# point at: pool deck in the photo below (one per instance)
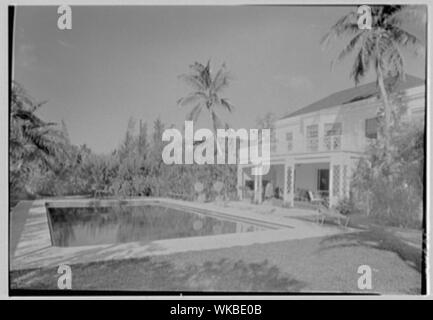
(30, 242)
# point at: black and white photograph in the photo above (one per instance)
(227, 150)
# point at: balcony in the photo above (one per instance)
(313, 144)
(332, 143)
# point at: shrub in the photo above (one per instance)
(389, 185)
(346, 206)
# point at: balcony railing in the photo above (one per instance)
(313, 144)
(316, 144)
(332, 143)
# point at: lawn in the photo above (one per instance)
(327, 264)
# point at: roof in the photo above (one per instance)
(355, 94)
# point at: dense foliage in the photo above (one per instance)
(43, 162)
(378, 47)
(390, 186)
(36, 146)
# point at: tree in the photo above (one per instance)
(127, 148)
(65, 132)
(158, 130)
(379, 47)
(142, 139)
(206, 90)
(267, 122)
(35, 145)
(393, 190)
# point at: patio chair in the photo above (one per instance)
(317, 203)
(315, 198)
(325, 211)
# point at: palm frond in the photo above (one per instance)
(354, 42)
(206, 75)
(396, 61)
(405, 39)
(198, 67)
(227, 104)
(194, 113)
(194, 81)
(345, 26)
(359, 68)
(221, 80)
(416, 13)
(192, 97)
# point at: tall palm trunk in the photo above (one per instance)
(384, 94)
(215, 128)
(386, 105)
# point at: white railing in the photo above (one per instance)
(313, 144)
(332, 143)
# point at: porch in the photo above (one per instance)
(293, 179)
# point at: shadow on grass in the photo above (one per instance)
(377, 238)
(148, 275)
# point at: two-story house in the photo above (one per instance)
(317, 148)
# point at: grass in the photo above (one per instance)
(382, 239)
(327, 264)
(162, 275)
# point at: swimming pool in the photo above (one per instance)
(48, 240)
(85, 226)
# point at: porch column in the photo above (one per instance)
(289, 183)
(260, 187)
(240, 182)
(339, 179)
(257, 184)
(345, 178)
(331, 183)
(334, 181)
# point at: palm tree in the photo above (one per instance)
(379, 47)
(31, 139)
(206, 90)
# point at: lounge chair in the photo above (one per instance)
(315, 198)
(331, 213)
(325, 211)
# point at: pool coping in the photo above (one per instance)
(34, 248)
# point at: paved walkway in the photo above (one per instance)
(269, 209)
(17, 222)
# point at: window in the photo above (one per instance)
(313, 137)
(333, 129)
(289, 140)
(332, 137)
(313, 131)
(371, 126)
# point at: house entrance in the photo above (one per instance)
(323, 181)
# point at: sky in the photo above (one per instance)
(124, 61)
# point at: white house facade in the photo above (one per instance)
(317, 148)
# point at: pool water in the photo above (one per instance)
(83, 226)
